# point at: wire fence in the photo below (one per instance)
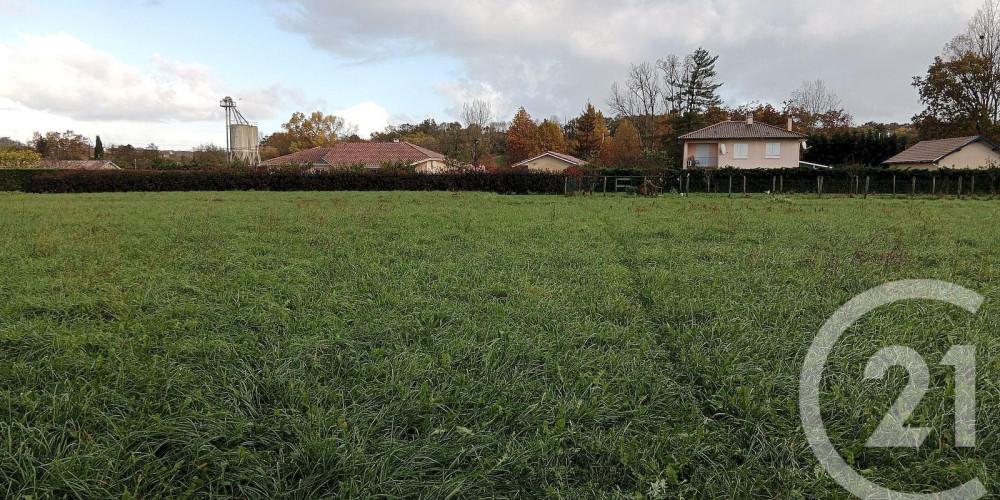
(822, 183)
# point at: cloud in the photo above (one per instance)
(464, 91)
(61, 75)
(367, 116)
(14, 7)
(552, 56)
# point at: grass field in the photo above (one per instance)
(466, 345)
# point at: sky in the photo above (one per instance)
(153, 71)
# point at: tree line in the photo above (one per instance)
(655, 103)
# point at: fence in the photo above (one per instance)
(820, 183)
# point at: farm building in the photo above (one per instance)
(743, 144)
(370, 154)
(959, 152)
(550, 161)
(81, 164)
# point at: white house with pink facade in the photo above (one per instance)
(743, 144)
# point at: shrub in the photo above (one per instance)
(510, 182)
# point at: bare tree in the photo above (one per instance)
(815, 106)
(478, 117)
(675, 76)
(639, 99)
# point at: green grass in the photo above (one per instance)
(466, 345)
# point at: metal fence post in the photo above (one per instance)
(868, 181)
(744, 186)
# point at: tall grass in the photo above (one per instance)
(438, 345)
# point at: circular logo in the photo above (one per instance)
(812, 374)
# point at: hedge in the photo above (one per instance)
(75, 181)
(799, 180)
(836, 181)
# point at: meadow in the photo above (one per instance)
(464, 345)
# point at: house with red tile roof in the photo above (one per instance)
(743, 144)
(959, 152)
(550, 161)
(370, 154)
(81, 164)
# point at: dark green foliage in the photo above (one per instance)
(853, 148)
(388, 179)
(98, 149)
(702, 89)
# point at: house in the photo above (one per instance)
(550, 161)
(959, 152)
(743, 144)
(370, 154)
(81, 164)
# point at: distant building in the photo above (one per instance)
(959, 152)
(370, 154)
(550, 161)
(81, 164)
(743, 144)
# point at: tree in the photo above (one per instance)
(98, 149)
(814, 108)
(763, 113)
(624, 150)
(639, 99)
(693, 85)
(18, 158)
(549, 137)
(591, 130)
(303, 132)
(478, 115)
(209, 155)
(961, 90)
(62, 146)
(521, 138)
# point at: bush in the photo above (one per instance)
(289, 180)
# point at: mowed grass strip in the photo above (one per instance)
(259, 345)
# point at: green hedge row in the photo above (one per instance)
(66, 181)
(837, 181)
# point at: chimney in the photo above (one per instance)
(750, 119)
(789, 123)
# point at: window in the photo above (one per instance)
(741, 151)
(773, 150)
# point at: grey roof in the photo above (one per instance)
(934, 151)
(741, 130)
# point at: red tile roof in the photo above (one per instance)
(371, 154)
(932, 151)
(741, 130)
(572, 160)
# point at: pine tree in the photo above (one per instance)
(521, 138)
(591, 130)
(98, 149)
(702, 89)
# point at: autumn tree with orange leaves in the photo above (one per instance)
(521, 138)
